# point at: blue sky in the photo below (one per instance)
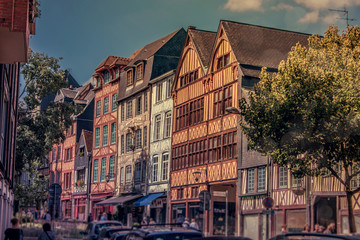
(85, 32)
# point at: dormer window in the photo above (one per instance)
(106, 77)
(139, 72)
(98, 82)
(129, 77)
(116, 73)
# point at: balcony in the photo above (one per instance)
(80, 189)
(16, 24)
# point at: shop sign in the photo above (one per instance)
(219, 194)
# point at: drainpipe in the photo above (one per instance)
(88, 185)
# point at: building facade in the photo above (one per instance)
(18, 22)
(134, 102)
(160, 145)
(104, 151)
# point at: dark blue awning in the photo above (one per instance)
(147, 199)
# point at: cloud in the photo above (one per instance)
(331, 18)
(244, 5)
(326, 4)
(282, 6)
(311, 17)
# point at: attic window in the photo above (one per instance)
(106, 77)
(98, 82)
(129, 78)
(139, 72)
(82, 150)
(223, 61)
(116, 73)
(189, 77)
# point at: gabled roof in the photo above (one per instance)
(261, 46)
(113, 60)
(88, 139)
(65, 93)
(203, 42)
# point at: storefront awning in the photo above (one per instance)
(118, 200)
(146, 200)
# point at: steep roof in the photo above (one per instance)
(261, 46)
(159, 56)
(113, 60)
(88, 139)
(203, 42)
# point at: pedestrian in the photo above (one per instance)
(47, 217)
(109, 215)
(193, 224)
(47, 234)
(186, 223)
(103, 218)
(144, 221)
(152, 221)
(90, 218)
(330, 229)
(99, 216)
(14, 233)
(317, 228)
(321, 229)
(306, 228)
(283, 229)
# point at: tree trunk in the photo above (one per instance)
(351, 218)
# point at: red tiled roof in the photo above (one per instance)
(113, 60)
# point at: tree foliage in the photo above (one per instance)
(307, 115)
(38, 131)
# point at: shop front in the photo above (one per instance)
(154, 206)
(80, 208)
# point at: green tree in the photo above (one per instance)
(307, 115)
(38, 131)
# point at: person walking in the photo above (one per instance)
(104, 216)
(186, 223)
(47, 217)
(14, 233)
(283, 229)
(330, 229)
(47, 234)
(193, 224)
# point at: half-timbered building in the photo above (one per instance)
(153, 60)
(107, 76)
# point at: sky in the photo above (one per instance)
(85, 32)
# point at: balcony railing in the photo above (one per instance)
(80, 189)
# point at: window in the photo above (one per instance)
(179, 157)
(145, 137)
(122, 175)
(194, 192)
(250, 180)
(155, 168)
(227, 97)
(261, 179)
(58, 156)
(215, 149)
(157, 127)
(282, 177)
(129, 144)
(106, 105)
(218, 109)
(138, 139)
(165, 167)
(137, 172)
(197, 153)
(168, 88)
(68, 154)
(81, 175)
(97, 137)
(122, 144)
(143, 173)
(103, 169)
(222, 100)
(113, 103)
(98, 82)
(139, 72)
(116, 73)
(122, 112)
(111, 167)
(159, 92)
(145, 102)
(105, 135)
(181, 117)
(138, 106)
(106, 77)
(167, 127)
(54, 154)
(95, 172)
(295, 182)
(113, 133)
(129, 109)
(98, 108)
(128, 175)
(196, 111)
(82, 151)
(229, 145)
(189, 77)
(223, 61)
(129, 77)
